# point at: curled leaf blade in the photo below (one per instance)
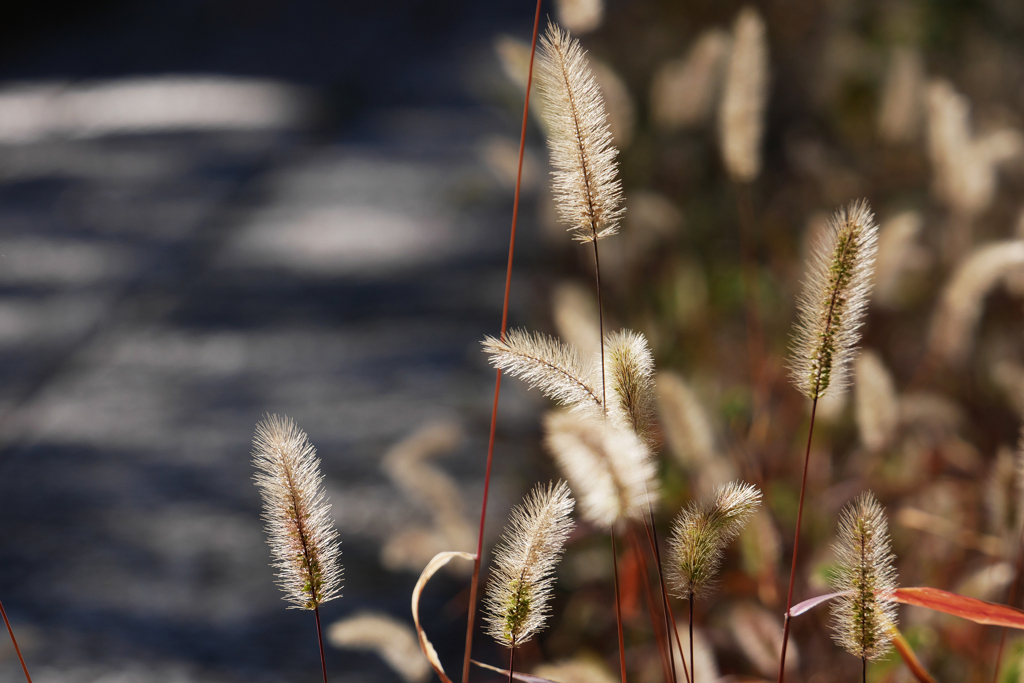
(440, 560)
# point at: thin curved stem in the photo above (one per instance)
(15, 641)
(475, 584)
(511, 659)
(796, 545)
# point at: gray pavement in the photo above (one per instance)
(159, 292)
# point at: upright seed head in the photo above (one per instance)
(586, 189)
(630, 367)
(302, 537)
(863, 615)
(524, 566)
(702, 531)
(741, 112)
(833, 302)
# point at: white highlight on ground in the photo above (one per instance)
(31, 112)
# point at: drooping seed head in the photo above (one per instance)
(702, 531)
(548, 364)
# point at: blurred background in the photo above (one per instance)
(213, 210)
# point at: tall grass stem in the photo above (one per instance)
(796, 545)
(692, 666)
(475, 584)
(670, 619)
(14, 640)
(600, 321)
(652, 538)
(659, 636)
(320, 639)
(618, 609)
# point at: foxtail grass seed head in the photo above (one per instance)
(741, 112)
(899, 117)
(586, 187)
(876, 402)
(702, 531)
(683, 91)
(962, 301)
(302, 537)
(833, 302)
(863, 615)
(524, 564)
(608, 467)
(630, 368)
(547, 364)
(580, 16)
(899, 254)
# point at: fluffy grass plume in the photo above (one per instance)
(547, 364)
(962, 301)
(702, 531)
(833, 302)
(524, 565)
(608, 467)
(302, 537)
(394, 640)
(741, 112)
(630, 381)
(683, 91)
(862, 616)
(585, 185)
(877, 405)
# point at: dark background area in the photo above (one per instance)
(139, 349)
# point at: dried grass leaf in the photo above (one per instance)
(440, 560)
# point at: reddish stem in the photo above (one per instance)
(670, 619)
(15, 641)
(693, 667)
(796, 545)
(659, 636)
(497, 381)
(618, 610)
(320, 639)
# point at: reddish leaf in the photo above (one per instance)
(972, 609)
(909, 658)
